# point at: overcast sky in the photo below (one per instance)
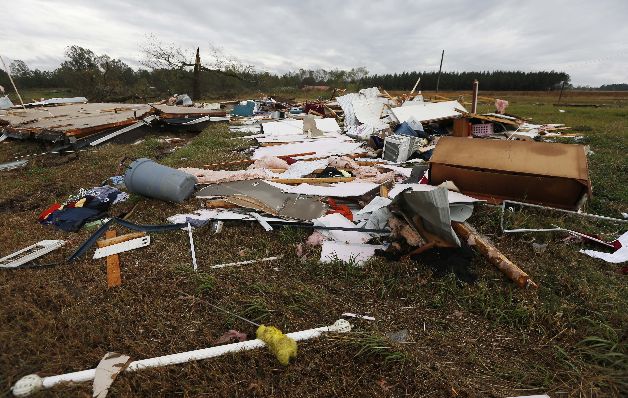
(587, 39)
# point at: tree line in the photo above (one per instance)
(494, 80)
(168, 70)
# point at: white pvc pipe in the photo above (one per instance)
(194, 265)
(35, 383)
(236, 264)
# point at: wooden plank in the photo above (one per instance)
(118, 239)
(488, 118)
(114, 277)
(312, 180)
(220, 204)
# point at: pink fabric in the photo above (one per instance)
(501, 105)
(216, 176)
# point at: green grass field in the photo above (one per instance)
(490, 339)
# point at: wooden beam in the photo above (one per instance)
(492, 254)
(219, 204)
(114, 277)
(488, 118)
(118, 239)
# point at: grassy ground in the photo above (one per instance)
(490, 339)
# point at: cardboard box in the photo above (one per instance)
(550, 174)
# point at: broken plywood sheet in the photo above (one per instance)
(58, 101)
(338, 190)
(295, 127)
(428, 111)
(295, 138)
(263, 196)
(323, 147)
(72, 120)
(184, 112)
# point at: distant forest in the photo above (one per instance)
(614, 87)
(169, 70)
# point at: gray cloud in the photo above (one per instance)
(584, 38)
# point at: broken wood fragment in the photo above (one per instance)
(492, 254)
(219, 204)
(114, 278)
(118, 239)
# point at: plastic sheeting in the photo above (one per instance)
(347, 252)
(617, 257)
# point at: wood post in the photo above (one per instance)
(492, 254)
(114, 278)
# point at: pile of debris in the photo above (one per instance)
(367, 173)
(74, 123)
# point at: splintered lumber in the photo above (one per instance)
(333, 112)
(488, 118)
(312, 180)
(219, 204)
(507, 267)
(114, 278)
(118, 239)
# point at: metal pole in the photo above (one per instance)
(440, 69)
(12, 83)
(474, 101)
